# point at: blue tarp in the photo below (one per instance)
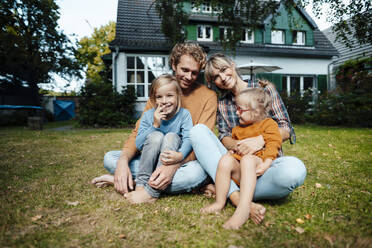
(63, 110)
(19, 107)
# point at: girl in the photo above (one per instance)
(162, 138)
(163, 130)
(252, 107)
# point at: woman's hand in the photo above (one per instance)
(261, 168)
(170, 157)
(158, 116)
(249, 145)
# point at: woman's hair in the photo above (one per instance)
(217, 61)
(187, 48)
(164, 80)
(256, 99)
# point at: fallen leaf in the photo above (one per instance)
(75, 203)
(166, 209)
(329, 239)
(318, 185)
(92, 223)
(299, 230)
(324, 154)
(308, 216)
(122, 236)
(110, 240)
(267, 223)
(300, 221)
(116, 209)
(36, 217)
(330, 145)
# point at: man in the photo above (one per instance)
(186, 61)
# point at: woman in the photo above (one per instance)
(283, 176)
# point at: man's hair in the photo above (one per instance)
(161, 81)
(187, 48)
(256, 99)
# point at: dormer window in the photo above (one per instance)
(205, 33)
(277, 37)
(203, 8)
(299, 38)
(248, 36)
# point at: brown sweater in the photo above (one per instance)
(201, 102)
(269, 129)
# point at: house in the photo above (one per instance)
(140, 50)
(356, 51)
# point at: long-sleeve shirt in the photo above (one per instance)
(180, 124)
(227, 118)
(201, 102)
(269, 130)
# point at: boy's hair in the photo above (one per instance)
(258, 100)
(164, 80)
(187, 48)
(217, 61)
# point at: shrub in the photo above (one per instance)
(298, 106)
(101, 106)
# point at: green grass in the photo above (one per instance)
(43, 172)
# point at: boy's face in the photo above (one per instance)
(186, 72)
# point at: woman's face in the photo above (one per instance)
(225, 77)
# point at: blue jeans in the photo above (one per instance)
(284, 175)
(188, 177)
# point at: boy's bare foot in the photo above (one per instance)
(103, 180)
(212, 208)
(238, 219)
(140, 195)
(258, 211)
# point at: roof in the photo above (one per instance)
(138, 29)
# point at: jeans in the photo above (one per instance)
(188, 177)
(155, 143)
(284, 175)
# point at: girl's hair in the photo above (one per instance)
(187, 48)
(164, 80)
(256, 99)
(217, 61)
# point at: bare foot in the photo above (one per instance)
(212, 208)
(103, 180)
(258, 211)
(239, 217)
(140, 195)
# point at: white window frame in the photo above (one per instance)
(274, 36)
(146, 70)
(246, 40)
(224, 31)
(204, 33)
(299, 38)
(302, 77)
(205, 8)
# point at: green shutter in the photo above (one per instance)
(216, 33)
(191, 32)
(322, 83)
(258, 36)
(275, 78)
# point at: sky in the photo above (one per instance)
(78, 18)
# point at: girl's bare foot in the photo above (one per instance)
(238, 219)
(140, 195)
(103, 180)
(258, 211)
(212, 208)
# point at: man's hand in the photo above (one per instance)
(123, 181)
(250, 145)
(262, 167)
(163, 176)
(169, 157)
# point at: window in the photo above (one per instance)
(205, 33)
(224, 33)
(142, 70)
(248, 36)
(298, 38)
(297, 84)
(203, 8)
(277, 37)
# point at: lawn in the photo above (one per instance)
(47, 199)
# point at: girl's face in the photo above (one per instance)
(166, 97)
(246, 114)
(225, 78)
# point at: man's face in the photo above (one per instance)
(186, 71)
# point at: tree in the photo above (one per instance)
(251, 13)
(91, 49)
(31, 46)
